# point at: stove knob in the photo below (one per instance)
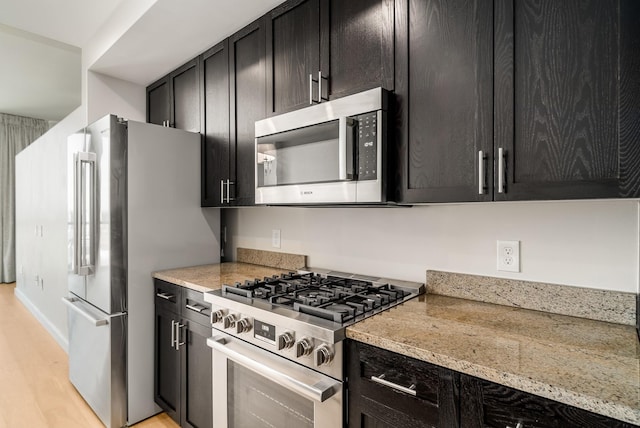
(324, 355)
(229, 321)
(303, 347)
(285, 341)
(243, 325)
(217, 316)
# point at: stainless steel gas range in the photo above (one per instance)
(278, 358)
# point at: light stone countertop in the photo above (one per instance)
(588, 364)
(211, 277)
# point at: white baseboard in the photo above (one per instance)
(61, 339)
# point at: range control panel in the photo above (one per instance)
(367, 146)
(286, 342)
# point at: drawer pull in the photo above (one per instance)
(382, 381)
(165, 296)
(196, 308)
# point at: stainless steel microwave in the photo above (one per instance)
(330, 153)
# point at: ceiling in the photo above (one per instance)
(41, 41)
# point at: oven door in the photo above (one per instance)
(254, 388)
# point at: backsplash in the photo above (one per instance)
(271, 259)
(602, 305)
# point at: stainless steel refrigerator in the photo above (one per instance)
(133, 207)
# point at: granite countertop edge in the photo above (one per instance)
(503, 377)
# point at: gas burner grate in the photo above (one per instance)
(333, 298)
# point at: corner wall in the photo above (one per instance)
(592, 244)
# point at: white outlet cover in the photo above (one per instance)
(508, 256)
(275, 238)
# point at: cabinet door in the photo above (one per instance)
(158, 102)
(444, 92)
(215, 149)
(357, 47)
(196, 383)
(486, 404)
(292, 54)
(567, 98)
(185, 104)
(248, 87)
(373, 404)
(167, 364)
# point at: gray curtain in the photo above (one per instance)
(16, 133)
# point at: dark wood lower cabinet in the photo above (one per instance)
(446, 399)
(183, 382)
(486, 404)
(373, 404)
(167, 364)
(196, 388)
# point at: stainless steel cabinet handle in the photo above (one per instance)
(222, 191)
(196, 308)
(500, 170)
(482, 180)
(178, 343)
(411, 390)
(310, 88)
(70, 302)
(173, 334)
(319, 86)
(229, 183)
(165, 296)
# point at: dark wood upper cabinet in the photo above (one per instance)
(567, 96)
(174, 100)
(216, 136)
(159, 102)
(444, 99)
(186, 97)
(247, 105)
(292, 54)
(530, 99)
(360, 50)
(350, 43)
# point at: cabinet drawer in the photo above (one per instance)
(489, 405)
(168, 295)
(398, 390)
(194, 308)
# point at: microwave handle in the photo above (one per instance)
(345, 148)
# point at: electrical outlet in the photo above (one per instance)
(275, 238)
(509, 256)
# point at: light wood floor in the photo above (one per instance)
(35, 391)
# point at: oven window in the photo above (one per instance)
(254, 401)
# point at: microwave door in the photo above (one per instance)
(316, 154)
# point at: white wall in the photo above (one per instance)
(108, 95)
(591, 244)
(45, 256)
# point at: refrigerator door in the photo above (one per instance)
(97, 347)
(101, 207)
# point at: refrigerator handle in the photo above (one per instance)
(97, 322)
(85, 245)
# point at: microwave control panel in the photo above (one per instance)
(367, 146)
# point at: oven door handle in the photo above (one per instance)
(254, 359)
